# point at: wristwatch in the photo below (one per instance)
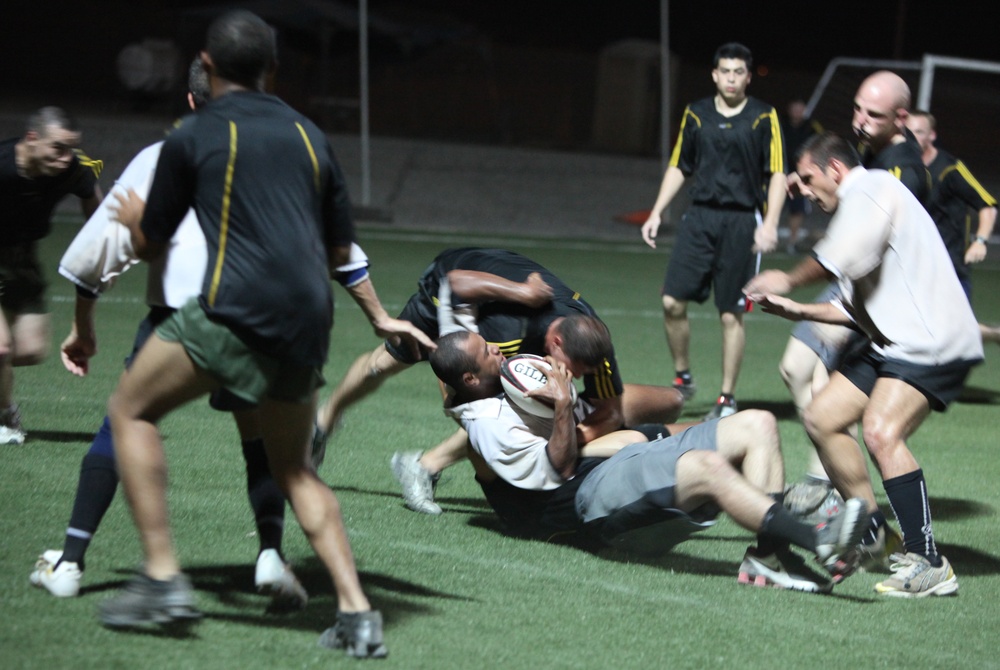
(980, 238)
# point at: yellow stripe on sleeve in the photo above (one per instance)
(312, 155)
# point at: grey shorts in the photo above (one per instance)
(639, 481)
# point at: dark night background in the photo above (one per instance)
(513, 72)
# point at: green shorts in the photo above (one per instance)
(244, 372)
(22, 284)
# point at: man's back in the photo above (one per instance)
(268, 195)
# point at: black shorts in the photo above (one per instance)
(798, 205)
(421, 311)
(22, 284)
(713, 251)
(940, 384)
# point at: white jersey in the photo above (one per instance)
(102, 250)
(895, 275)
(513, 444)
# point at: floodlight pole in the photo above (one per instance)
(366, 177)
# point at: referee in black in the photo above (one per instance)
(732, 147)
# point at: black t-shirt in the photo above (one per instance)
(269, 196)
(26, 204)
(517, 329)
(955, 196)
(904, 161)
(729, 158)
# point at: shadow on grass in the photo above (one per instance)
(60, 436)
(957, 508)
(969, 561)
(783, 411)
(232, 588)
(972, 395)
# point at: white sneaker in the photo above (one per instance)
(62, 581)
(10, 435)
(417, 482)
(275, 577)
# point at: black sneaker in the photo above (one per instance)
(148, 600)
(357, 633)
(686, 386)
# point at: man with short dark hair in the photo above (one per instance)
(921, 343)
(732, 148)
(36, 172)
(272, 203)
(542, 482)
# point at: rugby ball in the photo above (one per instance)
(524, 373)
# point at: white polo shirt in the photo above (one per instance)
(896, 278)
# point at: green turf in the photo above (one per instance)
(455, 593)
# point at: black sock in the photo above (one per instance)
(685, 375)
(94, 492)
(911, 505)
(266, 498)
(876, 520)
(768, 544)
(781, 527)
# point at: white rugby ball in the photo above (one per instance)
(523, 373)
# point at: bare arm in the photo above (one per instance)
(976, 252)
(81, 343)
(385, 326)
(608, 416)
(562, 446)
(477, 287)
(766, 236)
(779, 283)
(673, 179)
(823, 312)
(129, 214)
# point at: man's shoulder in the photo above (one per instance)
(757, 106)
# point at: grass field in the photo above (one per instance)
(456, 593)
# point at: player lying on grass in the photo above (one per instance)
(519, 305)
(542, 481)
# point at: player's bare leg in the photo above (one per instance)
(733, 346)
(364, 377)
(646, 403)
(286, 429)
(678, 330)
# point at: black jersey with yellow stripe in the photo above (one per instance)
(730, 158)
(26, 204)
(956, 195)
(517, 329)
(903, 161)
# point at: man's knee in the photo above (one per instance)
(881, 436)
(673, 308)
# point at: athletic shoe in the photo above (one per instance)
(723, 407)
(838, 537)
(60, 579)
(914, 577)
(319, 440)
(10, 435)
(783, 569)
(147, 600)
(812, 500)
(357, 633)
(417, 482)
(687, 388)
(877, 556)
(274, 577)
(11, 417)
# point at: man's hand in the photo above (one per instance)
(780, 306)
(976, 253)
(767, 282)
(76, 352)
(399, 330)
(765, 239)
(650, 228)
(556, 391)
(538, 293)
(129, 210)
